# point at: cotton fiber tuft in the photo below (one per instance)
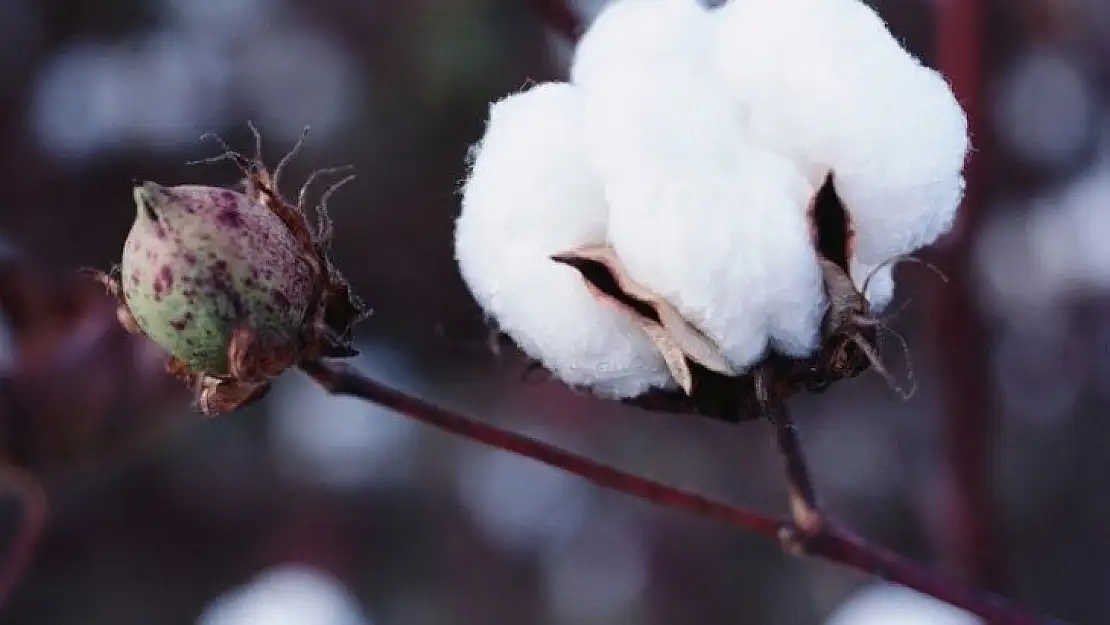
(530, 195)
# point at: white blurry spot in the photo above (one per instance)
(600, 575)
(160, 90)
(519, 503)
(79, 101)
(287, 595)
(864, 456)
(218, 19)
(1015, 282)
(1045, 107)
(341, 442)
(1038, 372)
(293, 79)
(888, 604)
(1055, 249)
(177, 88)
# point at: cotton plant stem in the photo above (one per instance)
(34, 506)
(822, 539)
(966, 532)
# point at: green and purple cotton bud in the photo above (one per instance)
(201, 261)
(235, 285)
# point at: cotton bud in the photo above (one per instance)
(200, 261)
(234, 285)
(826, 83)
(530, 195)
(711, 224)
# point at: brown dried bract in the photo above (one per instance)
(709, 386)
(682, 345)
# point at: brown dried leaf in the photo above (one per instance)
(675, 337)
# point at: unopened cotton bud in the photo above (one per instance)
(531, 195)
(826, 83)
(201, 261)
(710, 224)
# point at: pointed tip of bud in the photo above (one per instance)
(146, 194)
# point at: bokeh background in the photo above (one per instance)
(319, 511)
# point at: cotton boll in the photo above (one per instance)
(826, 83)
(530, 195)
(708, 223)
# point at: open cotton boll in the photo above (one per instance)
(530, 195)
(826, 83)
(711, 225)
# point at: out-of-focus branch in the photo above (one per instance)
(65, 337)
(33, 499)
(561, 17)
(958, 330)
(821, 539)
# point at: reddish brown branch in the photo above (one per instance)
(822, 540)
(966, 531)
(28, 490)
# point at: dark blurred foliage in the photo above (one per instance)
(160, 517)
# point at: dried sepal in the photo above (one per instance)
(678, 341)
(215, 397)
(735, 399)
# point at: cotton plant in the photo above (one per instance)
(653, 218)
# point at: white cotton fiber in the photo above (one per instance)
(825, 82)
(529, 195)
(712, 225)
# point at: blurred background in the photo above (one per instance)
(319, 511)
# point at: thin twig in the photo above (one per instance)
(803, 500)
(30, 493)
(825, 541)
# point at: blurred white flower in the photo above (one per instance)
(220, 19)
(291, 594)
(889, 604)
(1055, 248)
(294, 78)
(160, 90)
(346, 443)
(520, 504)
(1045, 107)
(599, 575)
